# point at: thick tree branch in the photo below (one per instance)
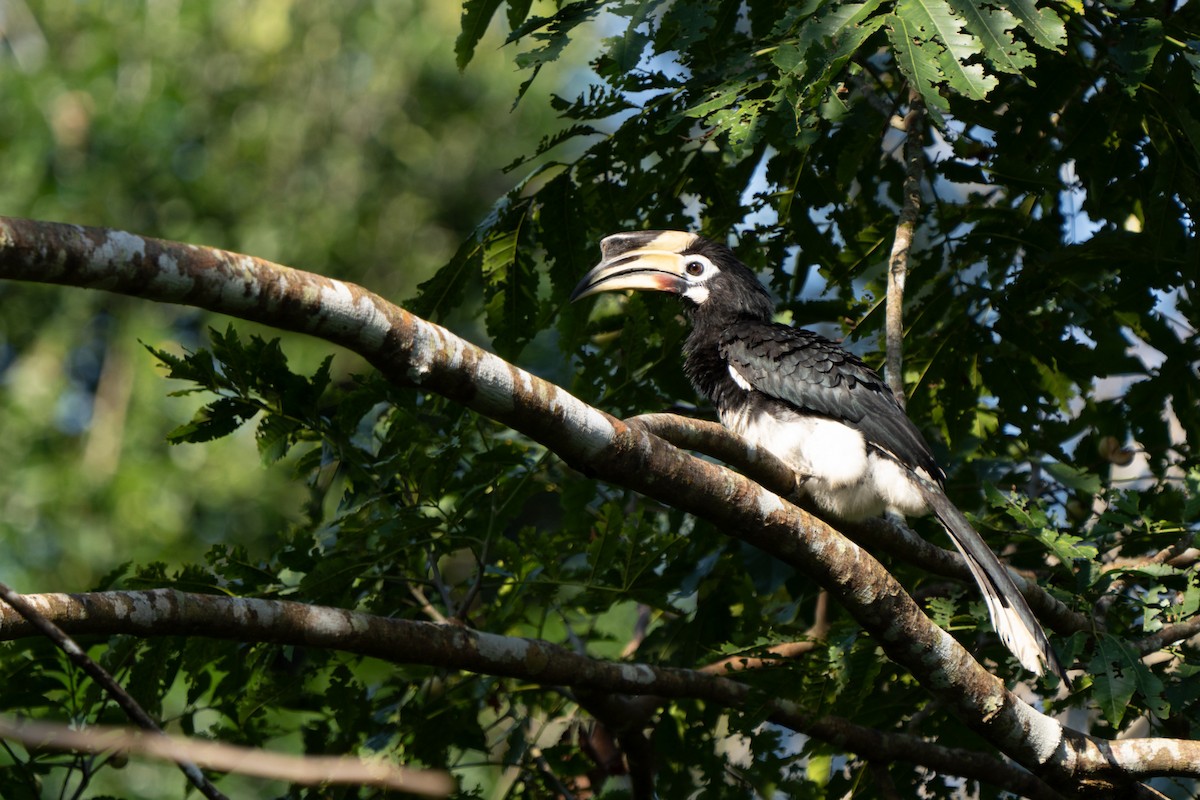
(411, 351)
(165, 612)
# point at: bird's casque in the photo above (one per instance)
(810, 403)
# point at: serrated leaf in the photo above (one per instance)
(937, 23)
(1189, 604)
(274, 437)
(1114, 681)
(476, 16)
(198, 367)
(918, 60)
(741, 123)
(941, 610)
(1066, 547)
(1135, 52)
(823, 47)
(1119, 673)
(518, 11)
(626, 50)
(510, 291)
(1042, 24)
(721, 99)
(994, 28)
(219, 418)
(553, 40)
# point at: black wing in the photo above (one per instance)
(815, 375)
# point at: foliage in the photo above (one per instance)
(1050, 340)
(295, 131)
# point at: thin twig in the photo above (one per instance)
(780, 652)
(914, 158)
(426, 607)
(307, 770)
(100, 675)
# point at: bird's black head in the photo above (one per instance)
(707, 275)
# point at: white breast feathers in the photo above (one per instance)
(841, 475)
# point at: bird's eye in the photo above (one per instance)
(694, 268)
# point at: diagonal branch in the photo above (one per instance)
(410, 351)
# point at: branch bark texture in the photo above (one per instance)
(906, 224)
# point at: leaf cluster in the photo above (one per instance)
(1050, 325)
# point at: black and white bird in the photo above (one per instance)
(817, 407)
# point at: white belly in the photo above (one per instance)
(840, 474)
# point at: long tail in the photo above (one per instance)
(1011, 616)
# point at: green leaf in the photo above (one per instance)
(510, 289)
(918, 60)
(941, 610)
(821, 51)
(476, 16)
(199, 368)
(742, 123)
(1042, 24)
(1135, 51)
(993, 27)
(274, 437)
(1119, 673)
(935, 22)
(219, 418)
(518, 10)
(553, 41)
(819, 768)
(626, 50)
(1114, 679)
(1073, 478)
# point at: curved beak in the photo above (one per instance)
(638, 260)
(639, 269)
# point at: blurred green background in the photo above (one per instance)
(336, 138)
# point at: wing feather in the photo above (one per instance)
(817, 376)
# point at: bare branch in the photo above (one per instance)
(1168, 635)
(779, 652)
(307, 770)
(100, 675)
(914, 162)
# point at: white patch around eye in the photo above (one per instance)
(697, 294)
(738, 379)
(698, 267)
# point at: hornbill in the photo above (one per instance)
(817, 407)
